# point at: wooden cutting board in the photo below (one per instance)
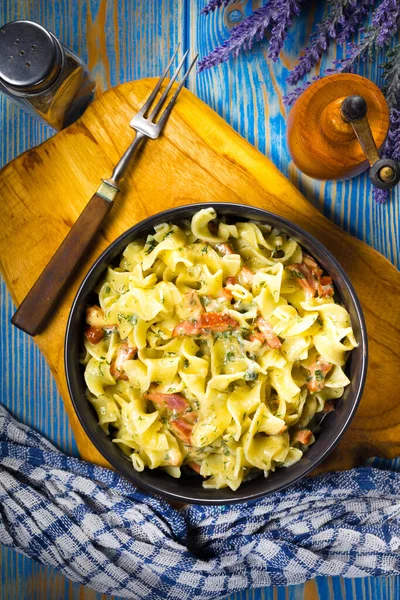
(199, 158)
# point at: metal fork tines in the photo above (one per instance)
(147, 126)
(34, 311)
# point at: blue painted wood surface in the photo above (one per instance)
(126, 39)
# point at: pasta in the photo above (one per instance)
(212, 347)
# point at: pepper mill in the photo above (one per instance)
(336, 128)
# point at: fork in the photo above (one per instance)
(37, 306)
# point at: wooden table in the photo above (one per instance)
(122, 40)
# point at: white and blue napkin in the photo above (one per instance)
(100, 531)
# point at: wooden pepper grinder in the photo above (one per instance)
(336, 127)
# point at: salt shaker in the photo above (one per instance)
(42, 75)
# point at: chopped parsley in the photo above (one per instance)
(204, 250)
(132, 319)
(151, 243)
(230, 356)
(250, 376)
(296, 274)
(319, 376)
(223, 335)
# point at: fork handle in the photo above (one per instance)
(40, 301)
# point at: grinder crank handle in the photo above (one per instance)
(384, 172)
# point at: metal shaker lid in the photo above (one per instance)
(30, 56)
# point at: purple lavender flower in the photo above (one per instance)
(252, 29)
(386, 20)
(213, 5)
(288, 10)
(319, 42)
(292, 96)
(391, 150)
(350, 25)
(380, 196)
(342, 20)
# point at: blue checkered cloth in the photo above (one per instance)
(102, 532)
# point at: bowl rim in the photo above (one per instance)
(172, 214)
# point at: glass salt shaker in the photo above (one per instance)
(42, 75)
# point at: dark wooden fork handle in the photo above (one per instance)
(42, 298)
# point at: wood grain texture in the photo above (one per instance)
(126, 39)
(198, 158)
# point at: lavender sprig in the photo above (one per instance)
(292, 96)
(351, 24)
(386, 19)
(391, 150)
(252, 29)
(391, 76)
(391, 89)
(352, 17)
(213, 5)
(341, 12)
(288, 10)
(376, 35)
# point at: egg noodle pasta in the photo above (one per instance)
(212, 347)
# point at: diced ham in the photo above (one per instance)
(226, 294)
(312, 265)
(305, 278)
(182, 429)
(268, 333)
(171, 401)
(309, 275)
(284, 428)
(94, 334)
(125, 352)
(183, 425)
(193, 465)
(230, 281)
(95, 316)
(224, 249)
(257, 336)
(217, 322)
(304, 436)
(206, 323)
(325, 287)
(246, 276)
(318, 371)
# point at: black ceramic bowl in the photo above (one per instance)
(188, 488)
